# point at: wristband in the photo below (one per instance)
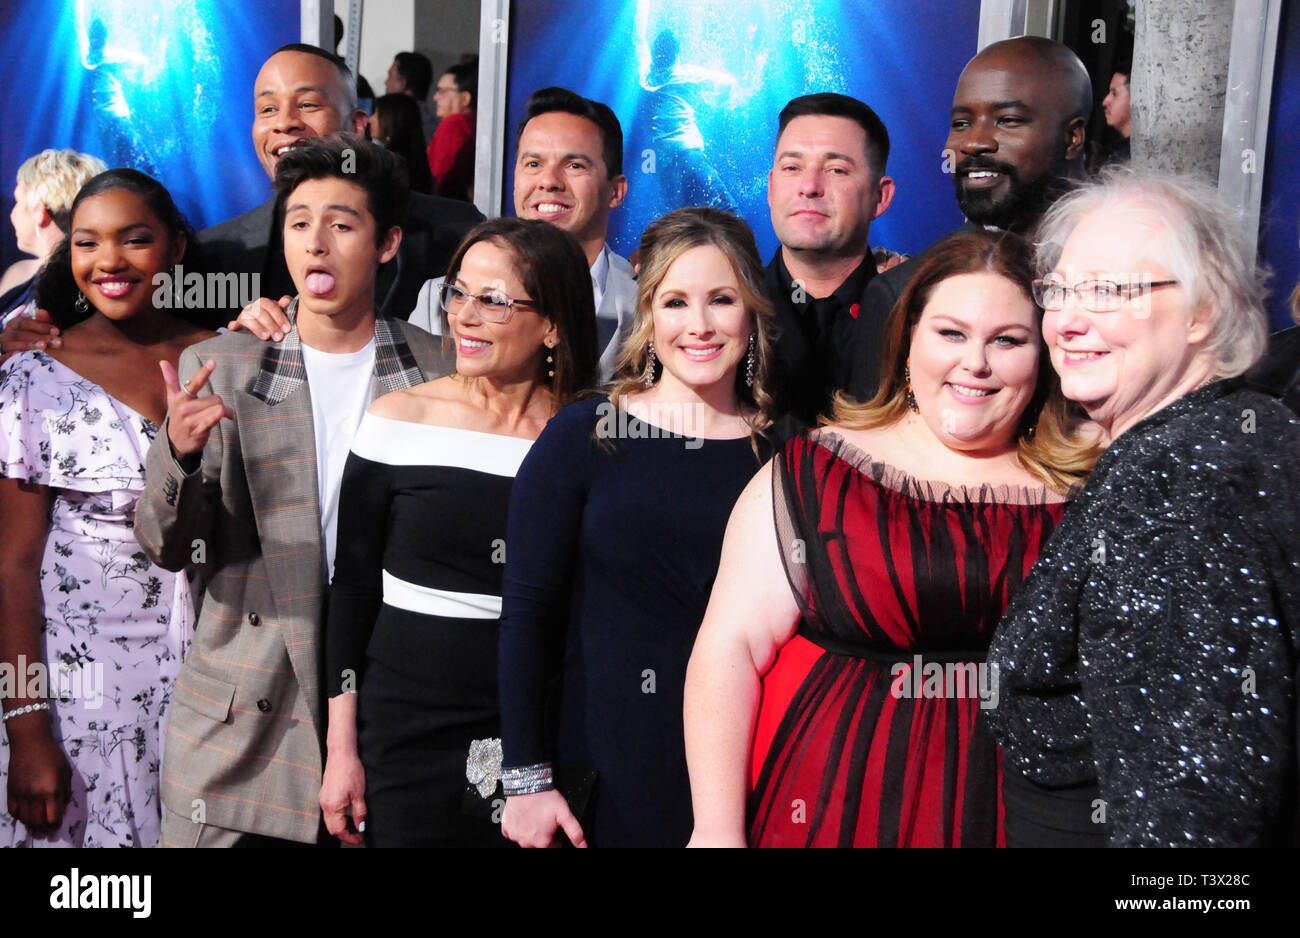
(527, 779)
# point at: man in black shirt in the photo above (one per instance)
(1016, 138)
(825, 186)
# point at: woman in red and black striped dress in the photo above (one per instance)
(838, 679)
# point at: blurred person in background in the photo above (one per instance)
(47, 184)
(395, 124)
(451, 151)
(411, 74)
(1118, 117)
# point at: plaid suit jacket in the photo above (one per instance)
(243, 747)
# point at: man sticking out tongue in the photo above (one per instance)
(250, 501)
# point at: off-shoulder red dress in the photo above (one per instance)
(858, 742)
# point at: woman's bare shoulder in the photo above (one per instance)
(439, 402)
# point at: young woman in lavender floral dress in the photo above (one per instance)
(91, 634)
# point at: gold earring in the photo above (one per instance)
(907, 376)
(550, 360)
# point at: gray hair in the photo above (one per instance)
(1207, 252)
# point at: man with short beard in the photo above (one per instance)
(1015, 140)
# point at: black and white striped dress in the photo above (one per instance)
(413, 618)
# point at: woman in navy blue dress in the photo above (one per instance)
(615, 529)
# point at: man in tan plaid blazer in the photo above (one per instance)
(232, 493)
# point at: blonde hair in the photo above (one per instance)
(667, 239)
(53, 178)
(1047, 445)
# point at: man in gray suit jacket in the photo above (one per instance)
(569, 173)
(242, 488)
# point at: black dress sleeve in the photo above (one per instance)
(1188, 678)
(357, 589)
(547, 503)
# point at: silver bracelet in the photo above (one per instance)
(30, 708)
(527, 779)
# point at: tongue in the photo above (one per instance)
(319, 282)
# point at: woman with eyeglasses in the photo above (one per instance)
(1148, 663)
(413, 746)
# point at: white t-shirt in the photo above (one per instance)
(340, 386)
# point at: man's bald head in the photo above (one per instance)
(1019, 116)
(1045, 56)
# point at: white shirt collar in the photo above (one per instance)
(599, 275)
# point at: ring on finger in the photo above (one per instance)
(188, 392)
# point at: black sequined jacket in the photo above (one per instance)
(1154, 646)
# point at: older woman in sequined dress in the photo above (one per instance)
(1147, 665)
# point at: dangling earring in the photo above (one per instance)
(1032, 430)
(907, 376)
(749, 363)
(81, 305)
(649, 378)
(180, 289)
(550, 361)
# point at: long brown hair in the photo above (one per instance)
(1048, 446)
(554, 271)
(662, 243)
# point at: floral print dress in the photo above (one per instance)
(116, 627)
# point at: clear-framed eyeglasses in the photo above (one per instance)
(1099, 296)
(492, 307)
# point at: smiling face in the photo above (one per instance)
(509, 350)
(821, 190)
(701, 325)
(118, 245)
(329, 246)
(1116, 103)
(1121, 365)
(1011, 139)
(298, 96)
(560, 178)
(974, 360)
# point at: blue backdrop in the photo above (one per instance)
(1280, 208)
(900, 56)
(161, 85)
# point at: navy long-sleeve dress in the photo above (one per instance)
(615, 548)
